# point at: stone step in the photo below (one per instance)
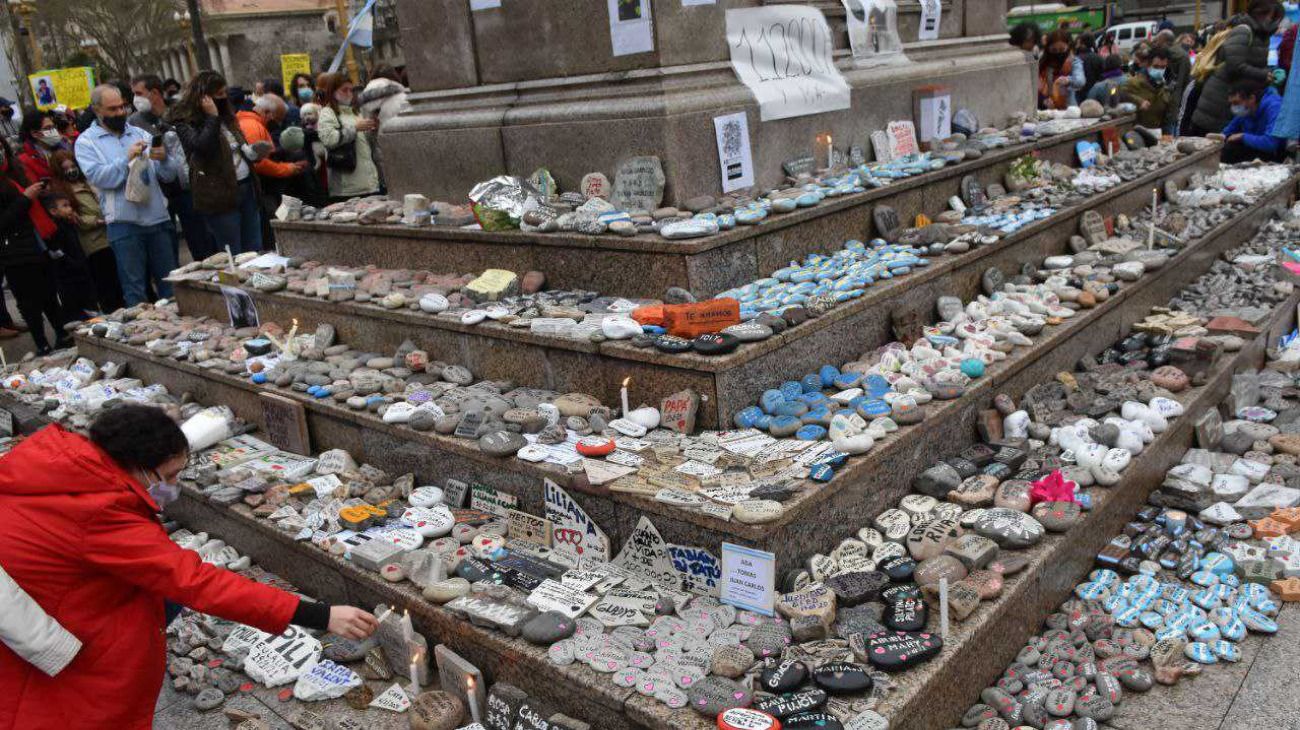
(929, 696)
(727, 383)
(816, 519)
(646, 265)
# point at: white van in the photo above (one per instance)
(1128, 35)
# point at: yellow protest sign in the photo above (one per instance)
(292, 64)
(67, 86)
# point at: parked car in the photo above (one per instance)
(1128, 35)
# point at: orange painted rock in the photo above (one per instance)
(693, 320)
(1288, 589)
(1268, 527)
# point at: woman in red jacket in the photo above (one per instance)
(79, 532)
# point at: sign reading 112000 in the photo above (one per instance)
(783, 54)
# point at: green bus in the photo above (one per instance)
(1050, 16)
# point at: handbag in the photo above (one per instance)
(342, 158)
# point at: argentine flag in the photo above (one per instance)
(361, 33)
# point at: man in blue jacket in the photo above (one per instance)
(1249, 135)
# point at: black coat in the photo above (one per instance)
(213, 179)
(1243, 57)
(19, 245)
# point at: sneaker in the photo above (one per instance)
(43, 351)
(64, 342)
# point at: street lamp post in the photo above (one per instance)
(25, 9)
(184, 21)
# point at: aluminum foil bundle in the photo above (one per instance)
(500, 203)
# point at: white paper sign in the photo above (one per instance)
(484, 4)
(931, 12)
(936, 116)
(783, 54)
(748, 578)
(630, 28)
(873, 32)
(735, 160)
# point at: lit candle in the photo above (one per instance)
(623, 392)
(408, 631)
(943, 608)
(473, 699)
(415, 673)
(824, 150)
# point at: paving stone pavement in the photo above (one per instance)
(176, 711)
(1261, 692)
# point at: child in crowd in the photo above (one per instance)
(71, 273)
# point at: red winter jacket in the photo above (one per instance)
(80, 535)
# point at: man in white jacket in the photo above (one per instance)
(30, 633)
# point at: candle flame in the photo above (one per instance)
(470, 681)
(627, 380)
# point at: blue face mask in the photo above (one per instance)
(1157, 74)
(163, 492)
(1240, 110)
(305, 94)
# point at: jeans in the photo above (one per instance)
(143, 253)
(241, 228)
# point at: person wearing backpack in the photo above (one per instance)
(1241, 55)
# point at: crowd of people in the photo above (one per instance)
(1216, 81)
(95, 203)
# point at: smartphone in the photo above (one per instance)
(157, 140)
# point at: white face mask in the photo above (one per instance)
(50, 137)
(142, 104)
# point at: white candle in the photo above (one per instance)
(943, 608)
(232, 258)
(415, 675)
(408, 631)
(623, 392)
(473, 699)
(1151, 230)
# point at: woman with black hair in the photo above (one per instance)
(40, 137)
(23, 257)
(221, 174)
(79, 532)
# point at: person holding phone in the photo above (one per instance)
(350, 161)
(220, 163)
(26, 261)
(139, 232)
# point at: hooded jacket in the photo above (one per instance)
(1256, 129)
(1243, 57)
(81, 536)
